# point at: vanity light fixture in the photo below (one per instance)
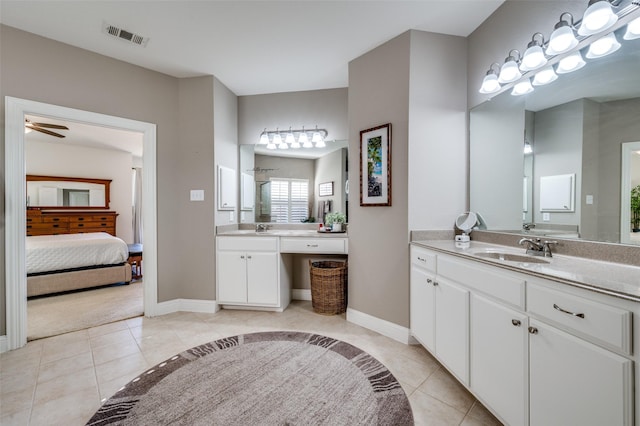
(533, 57)
(275, 139)
(570, 63)
(597, 18)
(522, 88)
(509, 71)
(490, 82)
(603, 46)
(544, 76)
(562, 38)
(633, 30)
(527, 147)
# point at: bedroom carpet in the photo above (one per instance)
(270, 378)
(54, 315)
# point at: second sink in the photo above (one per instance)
(511, 257)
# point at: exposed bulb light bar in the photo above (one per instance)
(533, 57)
(633, 30)
(275, 139)
(509, 71)
(570, 63)
(562, 38)
(603, 47)
(597, 18)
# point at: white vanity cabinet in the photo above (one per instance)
(249, 272)
(439, 314)
(540, 352)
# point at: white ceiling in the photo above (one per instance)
(252, 47)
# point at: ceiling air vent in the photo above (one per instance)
(125, 35)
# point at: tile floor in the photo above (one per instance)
(62, 380)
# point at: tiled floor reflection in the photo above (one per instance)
(62, 380)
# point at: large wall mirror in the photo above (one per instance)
(67, 193)
(583, 131)
(284, 187)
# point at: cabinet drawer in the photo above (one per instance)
(313, 245)
(93, 225)
(423, 258)
(502, 286)
(248, 243)
(602, 323)
(91, 218)
(55, 219)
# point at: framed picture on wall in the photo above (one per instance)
(375, 166)
(325, 189)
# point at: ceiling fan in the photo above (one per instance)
(42, 128)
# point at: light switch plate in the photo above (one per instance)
(230, 216)
(197, 195)
(546, 217)
(589, 199)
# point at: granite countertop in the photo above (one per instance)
(283, 233)
(603, 277)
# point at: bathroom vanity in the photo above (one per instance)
(254, 269)
(540, 341)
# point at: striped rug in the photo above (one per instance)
(270, 378)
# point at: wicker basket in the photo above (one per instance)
(328, 287)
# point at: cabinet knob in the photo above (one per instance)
(241, 257)
(248, 257)
(533, 330)
(516, 322)
(435, 283)
(429, 281)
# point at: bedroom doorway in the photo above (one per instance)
(15, 212)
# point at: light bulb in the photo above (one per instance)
(603, 47)
(303, 138)
(509, 71)
(598, 17)
(527, 148)
(271, 145)
(320, 143)
(316, 137)
(289, 138)
(633, 30)
(522, 88)
(570, 63)
(295, 144)
(562, 39)
(264, 138)
(490, 83)
(533, 58)
(283, 145)
(544, 76)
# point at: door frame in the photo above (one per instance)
(627, 149)
(15, 202)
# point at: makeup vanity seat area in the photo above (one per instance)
(254, 272)
(534, 351)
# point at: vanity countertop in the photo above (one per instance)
(305, 233)
(604, 277)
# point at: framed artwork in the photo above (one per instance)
(375, 166)
(325, 189)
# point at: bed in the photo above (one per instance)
(57, 263)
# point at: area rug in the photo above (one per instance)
(269, 378)
(53, 315)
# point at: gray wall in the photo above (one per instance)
(326, 109)
(39, 69)
(331, 168)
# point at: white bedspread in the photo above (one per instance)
(57, 252)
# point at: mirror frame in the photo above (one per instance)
(105, 182)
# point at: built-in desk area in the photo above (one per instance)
(255, 268)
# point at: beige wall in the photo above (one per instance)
(225, 119)
(51, 159)
(331, 168)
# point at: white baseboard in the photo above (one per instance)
(384, 327)
(186, 305)
(301, 294)
(4, 345)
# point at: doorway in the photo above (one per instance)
(15, 213)
(630, 179)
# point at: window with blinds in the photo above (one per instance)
(289, 200)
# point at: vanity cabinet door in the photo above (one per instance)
(574, 382)
(422, 309)
(262, 278)
(232, 277)
(452, 327)
(499, 358)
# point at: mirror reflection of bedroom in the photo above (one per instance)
(84, 225)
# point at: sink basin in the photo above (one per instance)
(511, 257)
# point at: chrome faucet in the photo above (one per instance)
(528, 226)
(537, 247)
(261, 227)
